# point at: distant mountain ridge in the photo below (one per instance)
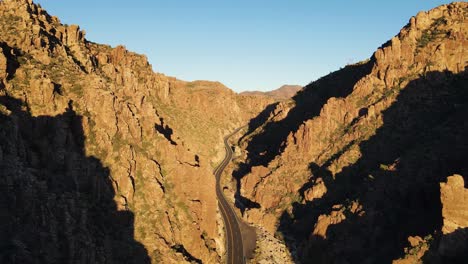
(282, 93)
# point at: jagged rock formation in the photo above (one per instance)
(454, 198)
(349, 169)
(283, 93)
(102, 159)
(451, 245)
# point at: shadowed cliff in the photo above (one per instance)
(57, 204)
(349, 170)
(459, 253)
(392, 191)
(268, 143)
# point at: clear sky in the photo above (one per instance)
(245, 44)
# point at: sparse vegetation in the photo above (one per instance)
(363, 101)
(77, 89)
(184, 207)
(384, 167)
(118, 142)
(429, 35)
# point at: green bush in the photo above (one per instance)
(431, 35)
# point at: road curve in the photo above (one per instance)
(234, 247)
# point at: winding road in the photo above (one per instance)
(234, 248)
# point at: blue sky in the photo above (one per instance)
(245, 44)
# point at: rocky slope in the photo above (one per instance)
(283, 93)
(349, 169)
(103, 160)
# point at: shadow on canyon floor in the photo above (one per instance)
(396, 180)
(449, 248)
(57, 203)
(266, 145)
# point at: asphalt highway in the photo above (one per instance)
(234, 247)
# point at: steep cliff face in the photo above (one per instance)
(350, 168)
(102, 159)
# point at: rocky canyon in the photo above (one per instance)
(104, 160)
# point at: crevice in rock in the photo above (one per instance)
(195, 164)
(115, 112)
(132, 180)
(160, 182)
(187, 256)
(161, 185)
(133, 167)
(133, 112)
(159, 167)
(163, 239)
(165, 130)
(188, 163)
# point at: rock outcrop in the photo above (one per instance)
(454, 198)
(451, 244)
(104, 160)
(349, 168)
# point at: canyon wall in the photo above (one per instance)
(349, 168)
(102, 159)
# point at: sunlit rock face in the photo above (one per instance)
(104, 160)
